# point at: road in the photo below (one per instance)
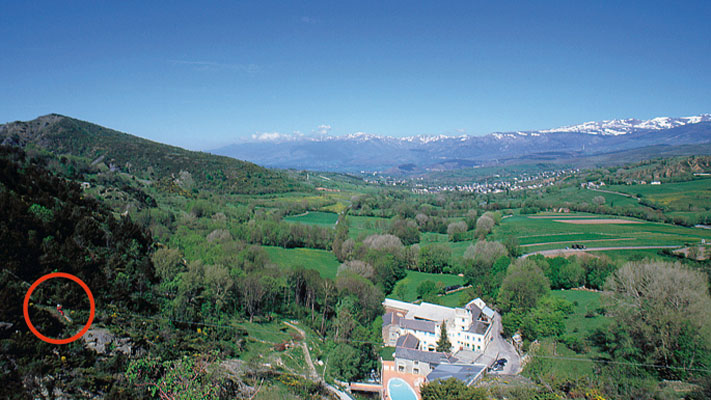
(501, 348)
(572, 251)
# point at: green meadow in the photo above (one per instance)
(364, 226)
(413, 280)
(314, 218)
(680, 196)
(320, 260)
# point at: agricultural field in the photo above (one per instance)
(578, 195)
(413, 280)
(320, 260)
(679, 196)
(314, 218)
(547, 232)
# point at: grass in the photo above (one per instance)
(585, 318)
(387, 353)
(414, 278)
(457, 299)
(677, 196)
(314, 218)
(361, 225)
(544, 233)
(584, 321)
(322, 261)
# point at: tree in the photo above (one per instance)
(524, 284)
(443, 344)
(428, 291)
(345, 360)
(251, 293)
(598, 200)
(456, 231)
(483, 226)
(168, 262)
(484, 253)
(661, 310)
(435, 257)
(406, 230)
(451, 389)
(357, 267)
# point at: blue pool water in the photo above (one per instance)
(400, 390)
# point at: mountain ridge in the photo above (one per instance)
(366, 152)
(141, 157)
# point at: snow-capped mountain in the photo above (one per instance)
(630, 125)
(364, 151)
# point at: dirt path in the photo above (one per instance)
(574, 252)
(613, 192)
(575, 241)
(312, 370)
(307, 353)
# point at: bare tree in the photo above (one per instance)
(251, 292)
(664, 307)
(483, 226)
(357, 267)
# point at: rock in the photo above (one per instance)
(102, 341)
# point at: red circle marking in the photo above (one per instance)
(27, 303)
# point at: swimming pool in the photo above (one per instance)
(398, 389)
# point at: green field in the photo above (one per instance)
(314, 218)
(360, 225)
(320, 260)
(680, 196)
(547, 233)
(585, 318)
(414, 278)
(584, 321)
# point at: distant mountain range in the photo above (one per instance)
(416, 154)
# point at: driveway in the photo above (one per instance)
(500, 348)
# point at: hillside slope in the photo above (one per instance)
(143, 158)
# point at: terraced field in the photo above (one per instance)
(320, 260)
(542, 232)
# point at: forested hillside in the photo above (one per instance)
(170, 166)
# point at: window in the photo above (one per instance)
(417, 363)
(401, 368)
(415, 371)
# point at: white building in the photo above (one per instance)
(468, 328)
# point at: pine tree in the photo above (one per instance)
(443, 344)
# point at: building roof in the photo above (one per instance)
(488, 312)
(418, 325)
(476, 311)
(409, 341)
(478, 327)
(466, 373)
(390, 318)
(431, 312)
(430, 357)
(399, 305)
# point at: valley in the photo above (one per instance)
(244, 286)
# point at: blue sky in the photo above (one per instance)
(204, 74)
